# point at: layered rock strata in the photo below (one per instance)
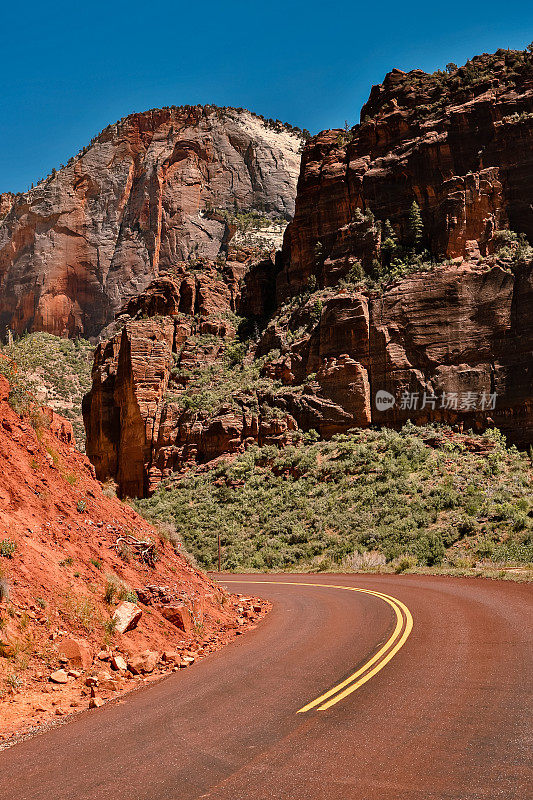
(460, 145)
(336, 334)
(151, 191)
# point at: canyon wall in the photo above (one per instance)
(460, 145)
(333, 333)
(153, 190)
(454, 347)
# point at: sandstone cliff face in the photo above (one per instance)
(153, 190)
(460, 145)
(138, 416)
(452, 346)
(323, 347)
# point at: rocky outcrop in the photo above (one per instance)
(465, 334)
(150, 192)
(138, 428)
(459, 144)
(454, 345)
(6, 203)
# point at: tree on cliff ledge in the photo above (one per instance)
(415, 226)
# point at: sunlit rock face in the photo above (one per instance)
(153, 190)
(451, 343)
(459, 144)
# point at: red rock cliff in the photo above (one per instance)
(448, 339)
(147, 193)
(459, 144)
(461, 335)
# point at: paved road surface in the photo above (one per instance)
(448, 717)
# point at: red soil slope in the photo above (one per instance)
(65, 530)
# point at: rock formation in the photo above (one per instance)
(455, 346)
(153, 190)
(138, 424)
(375, 312)
(462, 331)
(459, 144)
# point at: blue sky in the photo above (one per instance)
(70, 69)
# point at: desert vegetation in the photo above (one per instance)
(232, 380)
(47, 370)
(415, 498)
(400, 254)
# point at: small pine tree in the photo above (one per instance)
(387, 231)
(415, 226)
(389, 243)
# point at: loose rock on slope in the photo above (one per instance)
(67, 569)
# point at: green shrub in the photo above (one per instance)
(116, 590)
(110, 590)
(405, 563)
(14, 682)
(7, 548)
(235, 353)
(230, 380)
(55, 369)
(430, 549)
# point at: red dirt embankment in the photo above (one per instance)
(63, 574)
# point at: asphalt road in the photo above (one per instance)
(448, 715)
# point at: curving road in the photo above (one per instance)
(447, 717)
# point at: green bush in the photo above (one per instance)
(230, 380)
(430, 549)
(404, 563)
(117, 591)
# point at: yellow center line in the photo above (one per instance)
(386, 652)
(351, 678)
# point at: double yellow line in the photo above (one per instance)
(404, 626)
